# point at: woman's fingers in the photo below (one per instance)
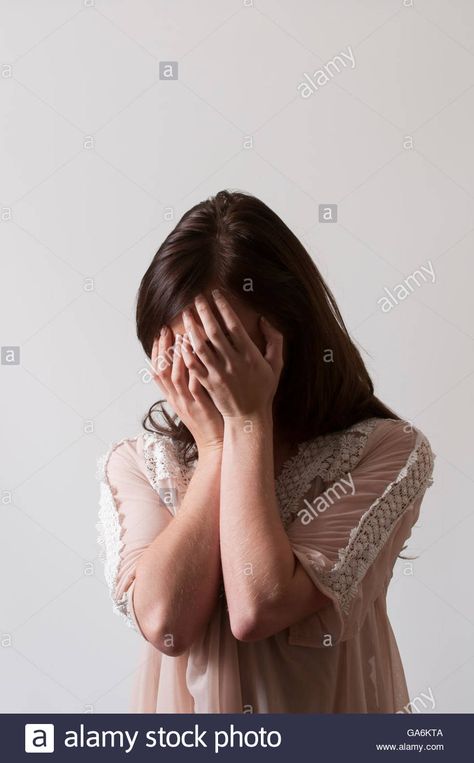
(274, 345)
(155, 352)
(159, 357)
(198, 392)
(194, 365)
(198, 340)
(238, 335)
(179, 373)
(212, 327)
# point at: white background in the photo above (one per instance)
(77, 213)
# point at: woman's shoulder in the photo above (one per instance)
(400, 435)
(148, 454)
(402, 445)
(340, 452)
(126, 453)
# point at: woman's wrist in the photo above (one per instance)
(259, 421)
(210, 451)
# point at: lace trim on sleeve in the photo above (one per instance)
(163, 462)
(110, 537)
(369, 536)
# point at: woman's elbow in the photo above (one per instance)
(170, 648)
(164, 638)
(160, 629)
(157, 623)
(253, 626)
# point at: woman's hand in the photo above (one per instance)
(185, 394)
(239, 379)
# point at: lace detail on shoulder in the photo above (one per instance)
(163, 461)
(110, 535)
(329, 456)
(371, 533)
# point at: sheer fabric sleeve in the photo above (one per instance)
(348, 537)
(132, 512)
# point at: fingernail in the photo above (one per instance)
(186, 314)
(216, 293)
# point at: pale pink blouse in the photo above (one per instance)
(348, 502)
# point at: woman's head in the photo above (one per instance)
(236, 242)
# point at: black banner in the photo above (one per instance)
(151, 737)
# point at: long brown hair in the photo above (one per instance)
(237, 242)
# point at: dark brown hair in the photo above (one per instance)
(236, 241)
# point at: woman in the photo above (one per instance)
(250, 539)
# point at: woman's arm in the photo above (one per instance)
(267, 588)
(178, 576)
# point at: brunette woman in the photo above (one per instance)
(249, 533)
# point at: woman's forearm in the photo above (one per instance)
(178, 576)
(257, 559)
